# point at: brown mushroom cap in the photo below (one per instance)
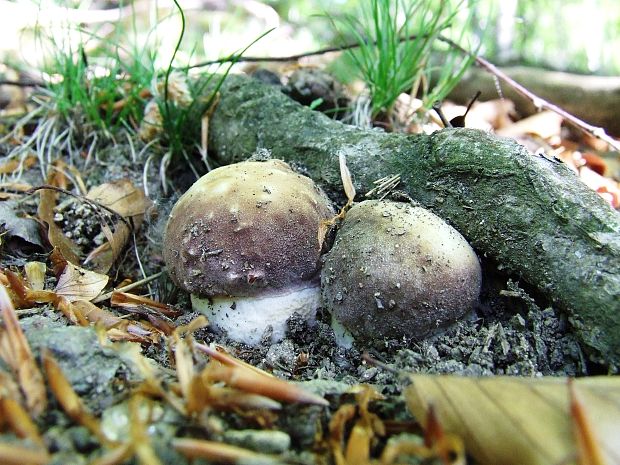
(246, 229)
(398, 270)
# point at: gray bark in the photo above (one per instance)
(531, 215)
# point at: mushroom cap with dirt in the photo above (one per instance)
(397, 270)
(244, 241)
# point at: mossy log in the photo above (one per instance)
(530, 214)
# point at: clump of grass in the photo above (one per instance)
(180, 120)
(96, 98)
(93, 92)
(395, 41)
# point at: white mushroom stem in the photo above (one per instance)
(246, 319)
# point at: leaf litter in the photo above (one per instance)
(182, 398)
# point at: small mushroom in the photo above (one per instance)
(397, 270)
(244, 241)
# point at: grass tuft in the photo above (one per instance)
(396, 39)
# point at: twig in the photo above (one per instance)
(128, 287)
(538, 102)
(483, 63)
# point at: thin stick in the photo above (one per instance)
(128, 287)
(535, 99)
(483, 63)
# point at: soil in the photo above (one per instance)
(509, 332)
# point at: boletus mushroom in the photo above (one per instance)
(397, 270)
(244, 241)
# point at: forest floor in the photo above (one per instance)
(510, 332)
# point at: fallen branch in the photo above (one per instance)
(539, 102)
(529, 214)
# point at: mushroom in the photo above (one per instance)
(244, 241)
(397, 270)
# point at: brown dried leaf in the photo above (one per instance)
(545, 124)
(521, 421)
(95, 314)
(269, 386)
(19, 421)
(13, 165)
(185, 369)
(132, 301)
(76, 283)
(225, 398)
(130, 203)
(15, 351)
(219, 353)
(118, 329)
(48, 197)
(220, 453)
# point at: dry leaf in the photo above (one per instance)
(11, 166)
(118, 329)
(19, 421)
(68, 249)
(130, 203)
(132, 301)
(253, 382)
(35, 275)
(347, 181)
(220, 453)
(545, 124)
(24, 228)
(76, 283)
(521, 421)
(15, 351)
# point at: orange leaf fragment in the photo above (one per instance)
(19, 421)
(132, 301)
(11, 166)
(15, 351)
(250, 381)
(69, 249)
(522, 421)
(219, 452)
(588, 448)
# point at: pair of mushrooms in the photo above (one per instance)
(245, 241)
